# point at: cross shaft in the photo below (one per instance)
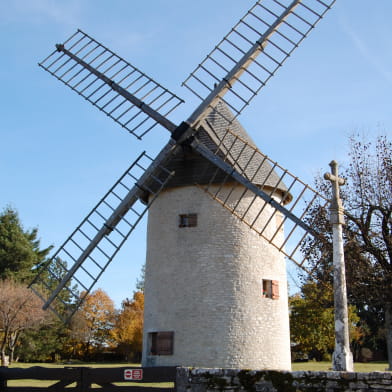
(342, 357)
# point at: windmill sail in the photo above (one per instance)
(108, 81)
(75, 268)
(229, 144)
(256, 47)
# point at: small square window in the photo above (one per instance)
(270, 289)
(188, 220)
(161, 343)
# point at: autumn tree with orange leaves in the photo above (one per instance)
(128, 328)
(91, 326)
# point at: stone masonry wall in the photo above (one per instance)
(205, 285)
(233, 380)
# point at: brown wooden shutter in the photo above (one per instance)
(275, 289)
(192, 220)
(165, 343)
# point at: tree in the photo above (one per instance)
(45, 343)
(20, 310)
(19, 249)
(128, 328)
(140, 281)
(367, 198)
(92, 324)
(48, 275)
(312, 321)
(20, 258)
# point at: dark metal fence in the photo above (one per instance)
(83, 379)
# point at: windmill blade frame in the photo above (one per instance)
(272, 30)
(94, 243)
(112, 84)
(256, 175)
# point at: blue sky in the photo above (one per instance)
(59, 155)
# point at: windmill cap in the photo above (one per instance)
(222, 134)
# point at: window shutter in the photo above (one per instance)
(165, 343)
(275, 289)
(192, 220)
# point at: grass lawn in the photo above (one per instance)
(73, 364)
(311, 365)
(324, 366)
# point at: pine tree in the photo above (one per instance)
(20, 250)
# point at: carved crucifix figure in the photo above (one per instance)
(342, 357)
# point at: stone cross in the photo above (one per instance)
(342, 359)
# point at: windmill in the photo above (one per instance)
(216, 286)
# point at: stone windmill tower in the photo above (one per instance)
(216, 288)
(216, 293)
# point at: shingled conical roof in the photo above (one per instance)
(225, 136)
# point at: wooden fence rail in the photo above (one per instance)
(85, 379)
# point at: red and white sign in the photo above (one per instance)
(133, 374)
